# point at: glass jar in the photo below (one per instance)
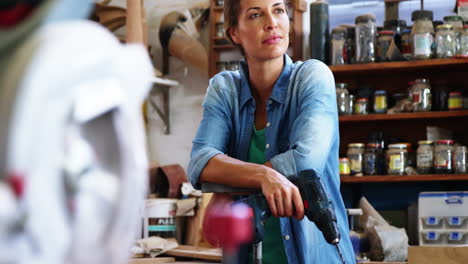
(455, 101)
(380, 101)
(338, 50)
(397, 159)
(406, 45)
(365, 38)
(459, 159)
(394, 25)
(342, 98)
(374, 160)
(356, 155)
(350, 44)
(445, 41)
(344, 167)
(349, 110)
(422, 34)
(220, 2)
(220, 30)
(425, 156)
(443, 152)
(360, 107)
(421, 95)
(457, 23)
(464, 41)
(383, 43)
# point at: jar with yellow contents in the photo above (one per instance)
(397, 159)
(356, 155)
(380, 102)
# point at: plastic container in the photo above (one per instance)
(345, 169)
(455, 101)
(422, 34)
(366, 41)
(361, 106)
(425, 156)
(443, 152)
(355, 155)
(397, 159)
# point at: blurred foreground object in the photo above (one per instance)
(73, 168)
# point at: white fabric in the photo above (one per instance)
(78, 119)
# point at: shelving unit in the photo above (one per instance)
(405, 178)
(215, 49)
(403, 116)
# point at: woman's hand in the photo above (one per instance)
(283, 197)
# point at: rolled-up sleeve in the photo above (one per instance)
(315, 128)
(213, 134)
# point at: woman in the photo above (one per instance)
(270, 120)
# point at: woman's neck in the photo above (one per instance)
(263, 75)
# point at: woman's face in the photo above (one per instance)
(263, 29)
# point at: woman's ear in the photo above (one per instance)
(234, 36)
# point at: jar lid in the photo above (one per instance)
(394, 23)
(341, 85)
(425, 142)
(373, 145)
(445, 141)
(387, 32)
(365, 18)
(362, 100)
(380, 92)
(344, 159)
(355, 145)
(444, 27)
(455, 94)
(453, 18)
(397, 146)
(422, 14)
(421, 80)
(339, 30)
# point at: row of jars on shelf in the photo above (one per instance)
(362, 43)
(441, 157)
(419, 97)
(227, 65)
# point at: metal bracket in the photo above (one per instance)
(163, 86)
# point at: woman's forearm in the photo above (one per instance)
(225, 170)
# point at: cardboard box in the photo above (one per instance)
(436, 255)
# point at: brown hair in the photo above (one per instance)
(231, 17)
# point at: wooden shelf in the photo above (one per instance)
(401, 116)
(405, 178)
(218, 8)
(400, 66)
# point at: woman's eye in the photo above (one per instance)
(255, 15)
(279, 10)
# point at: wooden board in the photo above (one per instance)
(443, 255)
(151, 260)
(197, 253)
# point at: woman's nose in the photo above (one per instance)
(270, 22)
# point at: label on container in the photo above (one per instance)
(455, 103)
(344, 168)
(380, 103)
(425, 159)
(442, 162)
(422, 44)
(395, 162)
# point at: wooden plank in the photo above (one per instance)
(399, 66)
(445, 255)
(197, 253)
(400, 116)
(151, 260)
(404, 178)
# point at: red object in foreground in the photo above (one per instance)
(16, 182)
(228, 225)
(15, 14)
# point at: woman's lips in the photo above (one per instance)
(273, 40)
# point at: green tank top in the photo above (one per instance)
(272, 246)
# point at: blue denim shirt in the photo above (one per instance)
(301, 133)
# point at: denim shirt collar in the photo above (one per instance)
(280, 88)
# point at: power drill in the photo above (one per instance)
(318, 208)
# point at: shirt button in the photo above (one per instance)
(286, 237)
(267, 145)
(268, 124)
